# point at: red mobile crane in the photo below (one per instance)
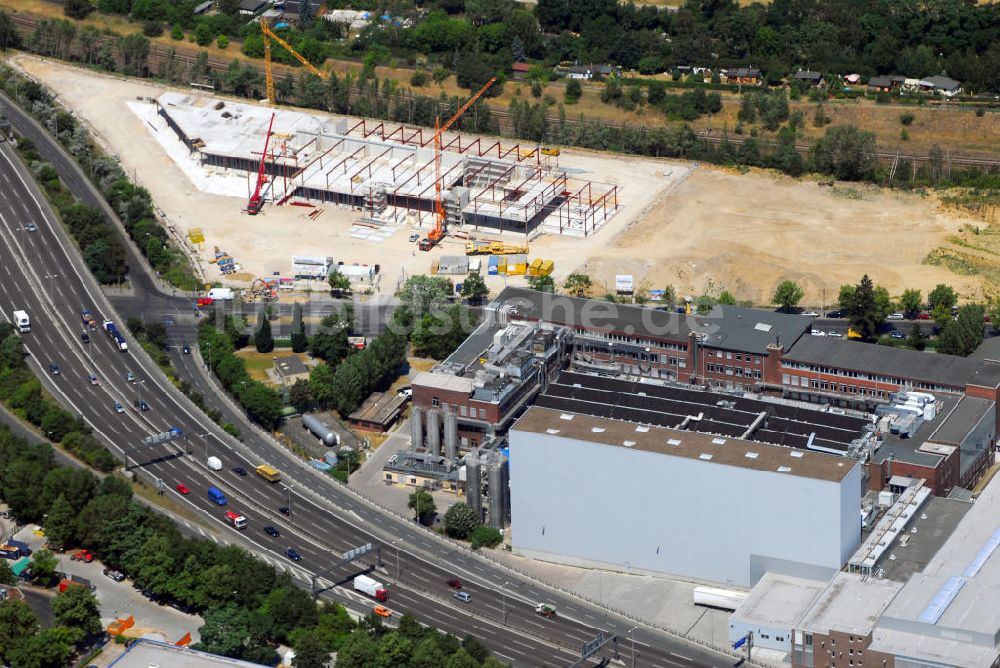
(256, 200)
(437, 233)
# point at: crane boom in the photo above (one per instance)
(268, 76)
(256, 201)
(439, 226)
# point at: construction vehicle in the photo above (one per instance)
(854, 334)
(268, 75)
(493, 248)
(545, 610)
(88, 319)
(435, 235)
(256, 199)
(551, 151)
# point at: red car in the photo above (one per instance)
(455, 583)
(83, 555)
(204, 301)
(182, 488)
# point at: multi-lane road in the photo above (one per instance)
(42, 273)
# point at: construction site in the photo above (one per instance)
(386, 173)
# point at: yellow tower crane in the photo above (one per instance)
(268, 76)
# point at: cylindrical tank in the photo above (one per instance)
(417, 428)
(498, 491)
(434, 432)
(450, 435)
(320, 430)
(473, 483)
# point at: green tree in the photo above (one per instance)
(236, 632)
(330, 343)
(311, 650)
(10, 38)
(43, 568)
(322, 385)
(427, 654)
(438, 333)
(846, 152)
(864, 312)
(262, 338)
(262, 404)
(542, 283)
(306, 15)
(474, 289)
(47, 649)
(461, 659)
(460, 520)
(393, 650)
(77, 9)
(61, 524)
(420, 292)
(962, 335)
(845, 298)
(422, 504)
(203, 34)
(77, 608)
(475, 648)
(787, 295)
(485, 536)
(339, 283)
(942, 295)
(911, 303)
(7, 577)
(358, 652)
(578, 285)
(299, 394)
(17, 623)
(300, 342)
(573, 91)
(917, 339)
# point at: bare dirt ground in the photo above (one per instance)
(693, 227)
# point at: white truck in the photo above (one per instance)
(215, 463)
(221, 294)
(22, 321)
(371, 587)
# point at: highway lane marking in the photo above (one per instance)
(681, 657)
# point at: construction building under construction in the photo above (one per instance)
(386, 171)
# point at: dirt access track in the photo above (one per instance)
(697, 228)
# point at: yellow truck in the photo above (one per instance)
(268, 473)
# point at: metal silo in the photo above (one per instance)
(473, 483)
(416, 428)
(434, 432)
(450, 435)
(498, 502)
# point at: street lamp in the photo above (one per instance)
(503, 602)
(288, 489)
(631, 636)
(138, 394)
(395, 544)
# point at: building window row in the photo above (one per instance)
(612, 336)
(739, 357)
(846, 373)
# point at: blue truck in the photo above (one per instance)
(14, 549)
(216, 496)
(115, 336)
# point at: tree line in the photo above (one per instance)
(247, 606)
(102, 248)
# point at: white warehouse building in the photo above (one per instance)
(594, 491)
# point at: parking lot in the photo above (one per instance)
(121, 599)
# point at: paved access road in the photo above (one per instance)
(43, 275)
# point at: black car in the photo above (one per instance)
(271, 531)
(140, 405)
(185, 349)
(54, 369)
(117, 576)
(839, 313)
(284, 510)
(293, 555)
(239, 470)
(85, 337)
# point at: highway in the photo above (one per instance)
(43, 275)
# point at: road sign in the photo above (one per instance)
(739, 643)
(163, 437)
(356, 552)
(592, 646)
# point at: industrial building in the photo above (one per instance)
(144, 653)
(758, 361)
(386, 171)
(605, 492)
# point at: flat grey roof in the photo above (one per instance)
(849, 604)
(690, 445)
(727, 327)
(474, 345)
(290, 365)
(779, 600)
(144, 653)
(956, 425)
(916, 449)
(935, 523)
(379, 407)
(444, 381)
(946, 370)
(971, 556)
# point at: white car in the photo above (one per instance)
(811, 314)
(895, 316)
(818, 332)
(836, 335)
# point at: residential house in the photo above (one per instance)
(882, 84)
(808, 77)
(252, 7)
(204, 7)
(588, 72)
(742, 75)
(941, 85)
(520, 70)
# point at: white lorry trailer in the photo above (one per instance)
(373, 588)
(22, 321)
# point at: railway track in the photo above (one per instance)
(158, 53)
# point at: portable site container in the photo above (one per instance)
(545, 269)
(493, 266)
(534, 267)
